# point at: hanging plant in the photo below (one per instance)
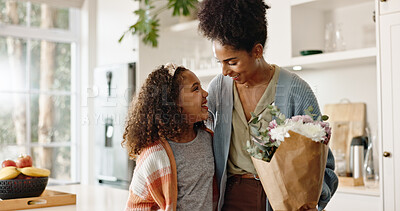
(147, 25)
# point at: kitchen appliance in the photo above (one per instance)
(114, 86)
(358, 149)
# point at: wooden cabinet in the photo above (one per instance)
(389, 57)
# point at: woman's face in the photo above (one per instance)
(238, 64)
(192, 98)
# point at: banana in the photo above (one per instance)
(34, 172)
(9, 172)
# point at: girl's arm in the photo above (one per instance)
(136, 202)
(152, 186)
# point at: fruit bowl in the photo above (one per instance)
(22, 188)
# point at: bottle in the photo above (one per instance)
(357, 156)
(370, 174)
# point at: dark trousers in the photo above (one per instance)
(244, 194)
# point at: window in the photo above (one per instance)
(39, 95)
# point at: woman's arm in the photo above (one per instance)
(330, 182)
(304, 97)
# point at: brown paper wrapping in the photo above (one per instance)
(293, 178)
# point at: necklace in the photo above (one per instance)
(271, 68)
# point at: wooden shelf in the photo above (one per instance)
(336, 59)
(326, 4)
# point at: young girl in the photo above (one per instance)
(175, 166)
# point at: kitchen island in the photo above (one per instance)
(91, 197)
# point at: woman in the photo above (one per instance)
(238, 30)
(175, 167)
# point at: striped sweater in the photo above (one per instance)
(154, 183)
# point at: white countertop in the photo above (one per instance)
(360, 190)
(91, 197)
(99, 198)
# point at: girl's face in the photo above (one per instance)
(192, 98)
(238, 64)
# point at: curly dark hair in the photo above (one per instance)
(155, 113)
(239, 23)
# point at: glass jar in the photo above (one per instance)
(340, 162)
(370, 173)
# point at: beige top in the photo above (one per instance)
(239, 161)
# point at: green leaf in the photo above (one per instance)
(254, 130)
(308, 112)
(325, 117)
(182, 6)
(122, 37)
(261, 146)
(147, 24)
(265, 134)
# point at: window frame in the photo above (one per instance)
(71, 36)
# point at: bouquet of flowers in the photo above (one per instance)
(290, 157)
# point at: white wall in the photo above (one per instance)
(103, 23)
(114, 18)
(357, 84)
(173, 47)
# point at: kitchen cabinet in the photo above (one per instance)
(343, 30)
(389, 54)
(357, 198)
(346, 33)
(389, 6)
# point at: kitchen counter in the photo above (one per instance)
(91, 197)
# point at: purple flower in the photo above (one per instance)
(303, 118)
(272, 125)
(328, 131)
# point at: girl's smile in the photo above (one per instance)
(192, 98)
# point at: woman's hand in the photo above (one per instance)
(307, 208)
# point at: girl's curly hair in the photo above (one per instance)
(155, 113)
(238, 23)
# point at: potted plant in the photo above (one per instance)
(148, 23)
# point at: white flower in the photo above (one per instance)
(310, 130)
(279, 133)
